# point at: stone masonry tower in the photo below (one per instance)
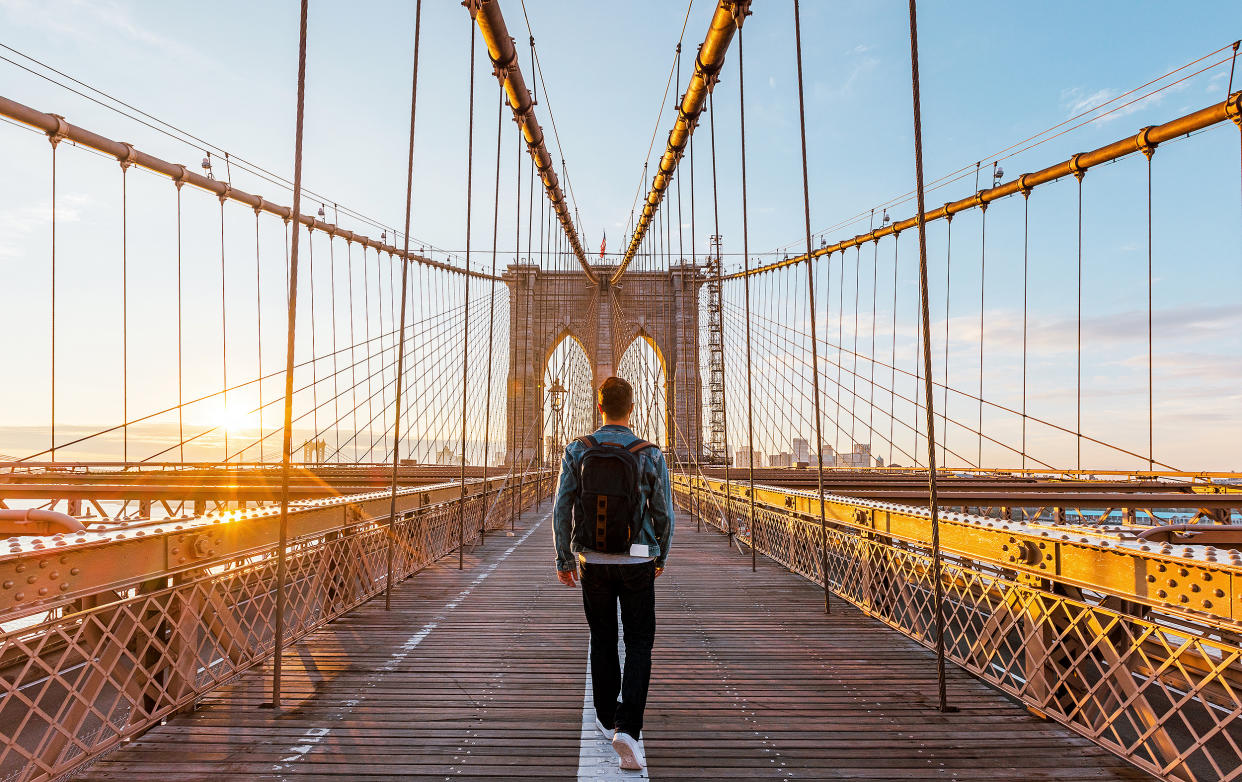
(548, 306)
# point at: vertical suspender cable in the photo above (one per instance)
(948, 287)
(287, 447)
(491, 319)
(180, 398)
(55, 140)
(739, 16)
(405, 269)
(465, 327)
(724, 405)
(810, 285)
(1078, 350)
(1151, 433)
(511, 414)
(927, 380)
(258, 319)
(983, 276)
(1026, 233)
(224, 330)
(125, 311)
(314, 362)
(892, 361)
(336, 389)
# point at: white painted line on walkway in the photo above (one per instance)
(597, 760)
(314, 736)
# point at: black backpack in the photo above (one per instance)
(607, 512)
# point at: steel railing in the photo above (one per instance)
(88, 665)
(1160, 688)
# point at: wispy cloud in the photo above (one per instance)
(16, 224)
(1079, 100)
(90, 21)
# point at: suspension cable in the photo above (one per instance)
(405, 268)
(810, 280)
(465, 348)
(287, 447)
(932, 501)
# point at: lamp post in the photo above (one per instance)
(557, 392)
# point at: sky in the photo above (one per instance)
(992, 74)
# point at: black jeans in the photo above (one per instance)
(634, 586)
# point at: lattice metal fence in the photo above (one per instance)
(80, 677)
(1159, 690)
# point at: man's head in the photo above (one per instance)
(616, 401)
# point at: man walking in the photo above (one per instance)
(613, 523)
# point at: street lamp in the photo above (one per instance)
(557, 392)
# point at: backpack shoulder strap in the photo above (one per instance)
(589, 441)
(640, 445)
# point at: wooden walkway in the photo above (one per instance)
(481, 674)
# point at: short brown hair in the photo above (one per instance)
(616, 397)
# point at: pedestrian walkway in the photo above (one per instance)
(481, 673)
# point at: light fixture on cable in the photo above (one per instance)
(207, 166)
(885, 220)
(998, 173)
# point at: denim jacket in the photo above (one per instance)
(656, 530)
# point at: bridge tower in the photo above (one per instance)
(661, 307)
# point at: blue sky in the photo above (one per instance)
(992, 74)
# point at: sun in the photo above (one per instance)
(236, 418)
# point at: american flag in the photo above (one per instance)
(602, 244)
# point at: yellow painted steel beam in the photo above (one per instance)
(52, 569)
(1144, 141)
(58, 129)
(1200, 582)
(725, 21)
(491, 22)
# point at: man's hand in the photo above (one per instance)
(568, 577)
(659, 570)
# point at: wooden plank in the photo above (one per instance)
(480, 673)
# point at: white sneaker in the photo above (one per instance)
(629, 750)
(605, 732)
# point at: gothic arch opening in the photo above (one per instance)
(570, 412)
(643, 365)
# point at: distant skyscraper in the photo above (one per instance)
(801, 451)
(743, 458)
(782, 459)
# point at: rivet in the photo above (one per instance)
(1207, 603)
(1184, 572)
(42, 590)
(8, 584)
(1218, 592)
(1194, 587)
(1161, 568)
(54, 575)
(32, 579)
(20, 596)
(1162, 594)
(42, 563)
(1172, 582)
(64, 587)
(74, 571)
(1184, 599)
(21, 568)
(1151, 579)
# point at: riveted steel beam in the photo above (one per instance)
(1144, 141)
(1199, 582)
(52, 569)
(57, 128)
(491, 22)
(725, 21)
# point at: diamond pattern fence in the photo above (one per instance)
(1161, 691)
(79, 678)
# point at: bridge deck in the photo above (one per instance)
(482, 673)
